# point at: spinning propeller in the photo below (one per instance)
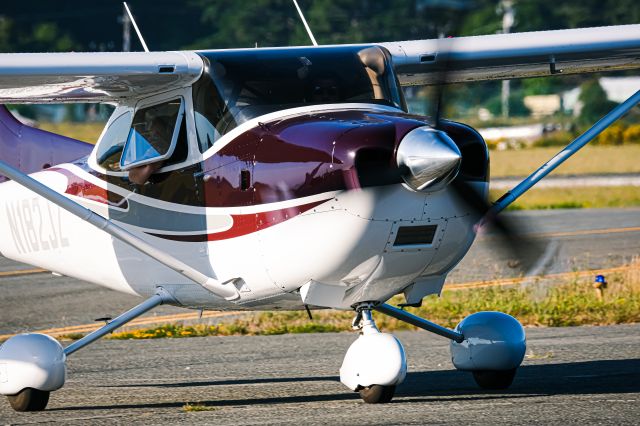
(512, 238)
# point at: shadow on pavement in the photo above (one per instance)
(574, 378)
(229, 382)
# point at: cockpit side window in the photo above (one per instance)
(153, 134)
(112, 143)
(208, 110)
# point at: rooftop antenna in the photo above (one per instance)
(304, 21)
(126, 31)
(135, 26)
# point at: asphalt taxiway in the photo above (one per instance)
(580, 375)
(566, 240)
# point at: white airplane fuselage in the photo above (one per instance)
(346, 240)
(339, 247)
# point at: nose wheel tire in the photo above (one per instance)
(29, 400)
(377, 394)
(494, 379)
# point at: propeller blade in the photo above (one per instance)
(511, 237)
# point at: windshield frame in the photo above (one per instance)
(227, 75)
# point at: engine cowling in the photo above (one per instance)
(492, 341)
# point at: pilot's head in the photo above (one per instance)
(325, 90)
(159, 134)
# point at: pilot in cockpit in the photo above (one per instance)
(159, 137)
(325, 90)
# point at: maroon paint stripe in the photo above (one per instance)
(245, 224)
(84, 189)
(242, 224)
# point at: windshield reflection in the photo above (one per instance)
(240, 85)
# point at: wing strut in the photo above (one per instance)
(510, 196)
(225, 290)
(159, 298)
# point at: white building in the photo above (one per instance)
(618, 89)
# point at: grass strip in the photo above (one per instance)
(87, 132)
(589, 160)
(569, 302)
(575, 198)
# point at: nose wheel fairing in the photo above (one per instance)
(373, 360)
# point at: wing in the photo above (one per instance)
(93, 77)
(518, 55)
(115, 77)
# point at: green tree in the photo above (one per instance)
(539, 15)
(595, 102)
(47, 36)
(238, 24)
(276, 22)
(37, 37)
(5, 34)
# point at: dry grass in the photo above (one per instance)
(87, 132)
(590, 160)
(578, 197)
(263, 323)
(542, 303)
(195, 407)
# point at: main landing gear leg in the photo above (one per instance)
(375, 363)
(34, 365)
(491, 345)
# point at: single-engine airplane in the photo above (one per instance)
(272, 178)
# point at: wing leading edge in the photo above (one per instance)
(517, 55)
(93, 77)
(118, 76)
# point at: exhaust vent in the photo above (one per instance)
(415, 235)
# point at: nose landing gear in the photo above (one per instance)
(375, 363)
(490, 345)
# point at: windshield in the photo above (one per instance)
(240, 85)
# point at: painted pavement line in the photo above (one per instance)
(8, 274)
(520, 280)
(87, 328)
